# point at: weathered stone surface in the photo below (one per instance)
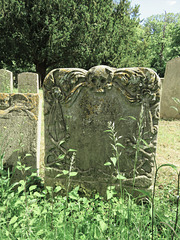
(18, 129)
(78, 106)
(6, 81)
(28, 82)
(170, 90)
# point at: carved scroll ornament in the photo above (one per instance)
(134, 83)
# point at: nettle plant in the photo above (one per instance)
(114, 162)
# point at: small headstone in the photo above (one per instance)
(6, 81)
(18, 130)
(79, 106)
(28, 82)
(170, 99)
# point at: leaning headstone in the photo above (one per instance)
(6, 81)
(80, 106)
(170, 99)
(18, 131)
(28, 82)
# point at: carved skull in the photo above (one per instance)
(100, 78)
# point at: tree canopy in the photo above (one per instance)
(74, 33)
(160, 35)
(41, 35)
(35, 31)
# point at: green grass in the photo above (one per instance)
(168, 151)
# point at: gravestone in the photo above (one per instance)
(18, 130)
(170, 90)
(79, 106)
(6, 81)
(28, 82)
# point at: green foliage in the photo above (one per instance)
(114, 162)
(35, 32)
(41, 35)
(40, 215)
(175, 45)
(50, 34)
(127, 47)
(161, 32)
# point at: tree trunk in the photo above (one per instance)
(41, 70)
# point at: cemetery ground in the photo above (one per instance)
(168, 151)
(37, 213)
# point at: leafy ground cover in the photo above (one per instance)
(36, 213)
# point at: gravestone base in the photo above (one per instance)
(91, 188)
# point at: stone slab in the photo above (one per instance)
(18, 130)
(80, 104)
(6, 81)
(28, 82)
(170, 90)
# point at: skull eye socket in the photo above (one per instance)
(93, 80)
(103, 80)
